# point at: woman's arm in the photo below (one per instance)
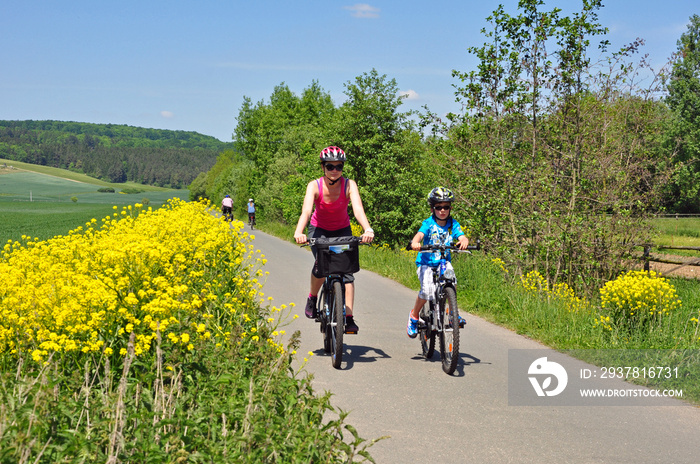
(359, 212)
(306, 210)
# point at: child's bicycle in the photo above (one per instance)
(335, 257)
(440, 317)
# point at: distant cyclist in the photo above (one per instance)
(226, 206)
(326, 206)
(251, 211)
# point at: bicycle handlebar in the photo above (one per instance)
(311, 241)
(446, 247)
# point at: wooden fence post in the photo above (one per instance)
(646, 256)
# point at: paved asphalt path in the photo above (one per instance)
(390, 390)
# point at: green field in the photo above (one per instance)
(683, 231)
(36, 201)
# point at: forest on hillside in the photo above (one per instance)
(562, 150)
(111, 152)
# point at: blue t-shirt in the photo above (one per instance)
(435, 234)
(251, 207)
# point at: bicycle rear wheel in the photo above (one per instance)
(449, 336)
(426, 334)
(337, 324)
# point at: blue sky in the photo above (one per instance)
(187, 65)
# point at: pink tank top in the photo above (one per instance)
(331, 216)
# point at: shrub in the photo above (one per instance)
(535, 282)
(637, 299)
(132, 190)
(105, 190)
(74, 199)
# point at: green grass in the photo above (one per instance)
(677, 232)
(46, 220)
(678, 228)
(51, 210)
(68, 175)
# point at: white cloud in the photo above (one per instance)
(167, 114)
(363, 10)
(410, 94)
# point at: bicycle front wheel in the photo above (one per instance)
(337, 324)
(426, 334)
(323, 318)
(449, 336)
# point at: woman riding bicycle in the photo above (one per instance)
(226, 206)
(326, 206)
(439, 228)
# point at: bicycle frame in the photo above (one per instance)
(327, 288)
(441, 281)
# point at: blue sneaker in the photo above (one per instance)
(412, 327)
(461, 323)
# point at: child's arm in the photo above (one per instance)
(417, 241)
(463, 242)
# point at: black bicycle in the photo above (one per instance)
(335, 257)
(227, 212)
(440, 317)
(251, 220)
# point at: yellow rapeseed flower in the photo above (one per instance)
(142, 274)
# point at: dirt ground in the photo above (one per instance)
(677, 270)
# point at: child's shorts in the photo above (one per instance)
(427, 285)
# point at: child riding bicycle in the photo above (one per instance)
(439, 228)
(326, 206)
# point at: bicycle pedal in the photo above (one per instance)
(462, 324)
(354, 332)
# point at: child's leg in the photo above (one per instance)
(425, 275)
(416, 309)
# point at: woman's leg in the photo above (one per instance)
(316, 283)
(349, 297)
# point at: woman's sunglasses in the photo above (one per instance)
(440, 208)
(334, 167)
